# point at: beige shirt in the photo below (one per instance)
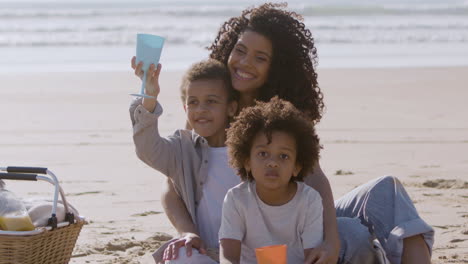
(183, 156)
(298, 223)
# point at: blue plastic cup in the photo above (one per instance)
(148, 50)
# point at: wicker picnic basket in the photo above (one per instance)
(47, 245)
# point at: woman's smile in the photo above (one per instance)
(243, 75)
(249, 62)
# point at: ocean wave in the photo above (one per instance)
(384, 10)
(201, 11)
(91, 24)
(205, 41)
(223, 10)
(201, 27)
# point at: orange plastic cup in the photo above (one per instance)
(276, 254)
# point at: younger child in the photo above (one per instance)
(195, 160)
(272, 146)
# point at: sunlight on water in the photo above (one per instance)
(102, 34)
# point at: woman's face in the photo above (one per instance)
(249, 62)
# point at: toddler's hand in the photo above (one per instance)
(189, 240)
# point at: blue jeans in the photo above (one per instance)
(379, 209)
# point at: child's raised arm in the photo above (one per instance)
(160, 153)
(229, 251)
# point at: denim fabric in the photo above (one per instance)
(357, 243)
(384, 207)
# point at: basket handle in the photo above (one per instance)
(12, 175)
(18, 176)
(16, 169)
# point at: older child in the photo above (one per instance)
(272, 146)
(195, 160)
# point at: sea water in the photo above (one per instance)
(100, 35)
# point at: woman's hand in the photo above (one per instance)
(325, 253)
(189, 240)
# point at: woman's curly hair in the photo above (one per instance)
(292, 74)
(276, 115)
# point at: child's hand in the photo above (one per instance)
(138, 71)
(189, 240)
(152, 80)
(152, 77)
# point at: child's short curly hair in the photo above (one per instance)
(292, 75)
(276, 115)
(208, 70)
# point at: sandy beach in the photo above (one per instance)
(408, 122)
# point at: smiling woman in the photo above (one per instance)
(271, 51)
(249, 64)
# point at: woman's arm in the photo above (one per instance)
(178, 215)
(309, 259)
(175, 209)
(229, 251)
(328, 251)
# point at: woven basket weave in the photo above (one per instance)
(48, 247)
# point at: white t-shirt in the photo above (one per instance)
(219, 180)
(298, 223)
